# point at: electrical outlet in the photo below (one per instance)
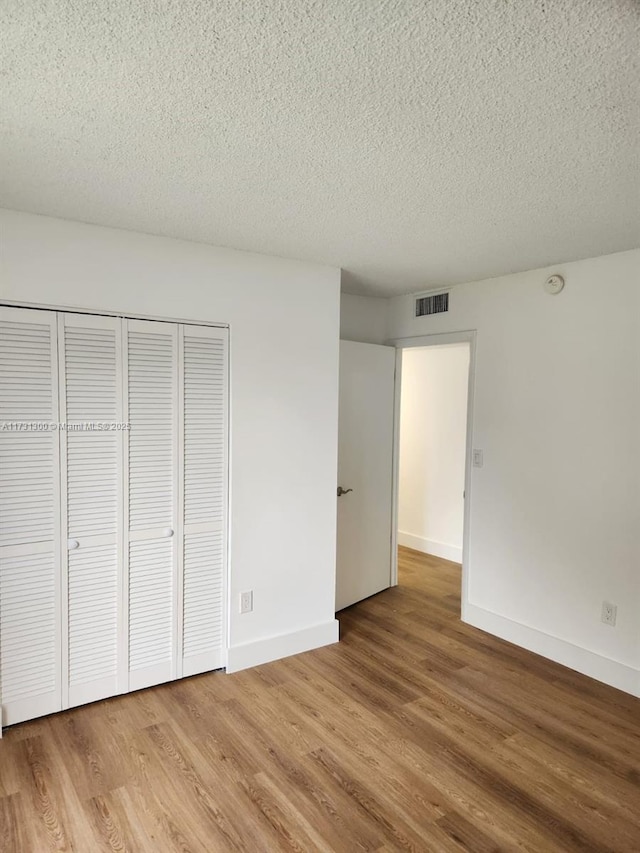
(478, 458)
(246, 601)
(609, 613)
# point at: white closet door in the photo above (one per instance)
(30, 661)
(203, 499)
(92, 491)
(151, 495)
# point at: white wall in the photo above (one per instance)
(363, 319)
(284, 321)
(433, 433)
(555, 511)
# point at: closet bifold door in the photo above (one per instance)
(203, 497)
(90, 350)
(30, 595)
(151, 501)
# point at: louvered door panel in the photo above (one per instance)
(152, 494)
(204, 420)
(203, 582)
(151, 612)
(28, 614)
(92, 458)
(30, 677)
(93, 617)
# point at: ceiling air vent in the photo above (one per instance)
(438, 303)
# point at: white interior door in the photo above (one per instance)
(151, 501)
(365, 466)
(92, 505)
(30, 658)
(203, 497)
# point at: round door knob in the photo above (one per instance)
(167, 532)
(72, 544)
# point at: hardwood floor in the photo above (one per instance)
(416, 732)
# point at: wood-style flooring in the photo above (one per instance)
(415, 732)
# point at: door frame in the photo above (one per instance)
(421, 341)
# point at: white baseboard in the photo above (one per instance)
(604, 669)
(428, 546)
(282, 645)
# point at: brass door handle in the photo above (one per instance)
(342, 491)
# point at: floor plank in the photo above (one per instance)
(416, 732)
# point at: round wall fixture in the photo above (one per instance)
(554, 284)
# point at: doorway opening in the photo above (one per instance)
(433, 449)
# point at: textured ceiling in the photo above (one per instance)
(412, 142)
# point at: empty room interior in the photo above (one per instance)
(320, 426)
